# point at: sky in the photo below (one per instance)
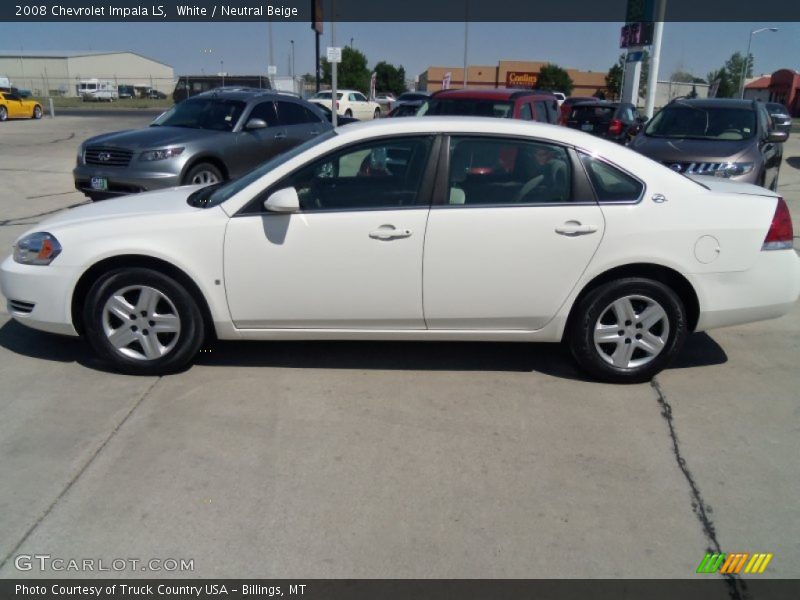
(243, 48)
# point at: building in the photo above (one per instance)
(782, 86)
(58, 73)
(508, 73)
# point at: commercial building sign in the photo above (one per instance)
(521, 79)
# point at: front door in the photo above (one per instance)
(351, 258)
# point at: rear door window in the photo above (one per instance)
(610, 183)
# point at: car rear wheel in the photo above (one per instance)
(203, 174)
(628, 330)
(37, 112)
(3, 113)
(377, 114)
(348, 113)
(142, 322)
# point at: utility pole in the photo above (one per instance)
(466, 37)
(334, 65)
(655, 56)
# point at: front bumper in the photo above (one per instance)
(123, 181)
(39, 296)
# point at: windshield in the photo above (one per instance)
(709, 123)
(219, 193)
(467, 107)
(202, 113)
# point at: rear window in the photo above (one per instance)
(592, 114)
(468, 108)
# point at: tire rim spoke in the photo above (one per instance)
(165, 324)
(631, 331)
(122, 337)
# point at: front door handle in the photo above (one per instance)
(574, 228)
(313, 132)
(389, 232)
(280, 136)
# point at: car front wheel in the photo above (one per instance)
(628, 330)
(203, 174)
(37, 112)
(3, 113)
(142, 322)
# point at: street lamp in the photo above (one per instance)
(747, 56)
(292, 42)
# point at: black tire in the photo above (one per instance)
(774, 186)
(348, 113)
(179, 348)
(377, 114)
(3, 113)
(202, 174)
(37, 112)
(595, 310)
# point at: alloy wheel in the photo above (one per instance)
(631, 331)
(204, 178)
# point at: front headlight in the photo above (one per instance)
(734, 169)
(161, 154)
(38, 248)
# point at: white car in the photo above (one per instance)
(349, 103)
(417, 229)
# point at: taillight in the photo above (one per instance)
(615, 127)
(780, 235)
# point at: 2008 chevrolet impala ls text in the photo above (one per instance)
(417, 229)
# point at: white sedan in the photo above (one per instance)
(349, 103)
(417, 229)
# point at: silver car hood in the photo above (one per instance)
(152, 137)
(688, 150)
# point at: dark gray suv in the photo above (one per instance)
(720, 137)
(211, 137)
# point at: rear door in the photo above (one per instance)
(298, 123)
(254, 146)
(513, 226)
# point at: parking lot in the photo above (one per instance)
(396, 460)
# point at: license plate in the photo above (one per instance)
(587, 127)
(99, 183)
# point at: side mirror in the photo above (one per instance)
(283, 201)
(777, 137)
(255, 124)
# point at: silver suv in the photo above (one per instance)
(720, 137)
(211, 137)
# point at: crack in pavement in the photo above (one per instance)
(737, 588)
(16, 220)
(77, 475)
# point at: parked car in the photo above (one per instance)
(413, 96)
(206, 139)
(349, 103)
(126, 92)
(386, 101)
(14, 106)
(615, 121)
(567, 105)
(340, 120)
(153, 94)
(192, 85)
(721, 137)
(781, 119)
(406, 109)
(509, 231)
(528, 105)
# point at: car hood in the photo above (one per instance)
(152, 137)
(684, 150)
(156, 204)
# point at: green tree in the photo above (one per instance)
(553, 77)
(724, 82)
(615, 77)
(389, 78)
(734, 67)
(614, 81)
(351, 74)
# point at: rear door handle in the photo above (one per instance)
(313, 132)
(389, 232)
(574, 228)
(280, 136)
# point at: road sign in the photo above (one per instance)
(334, 54)
(446, 80)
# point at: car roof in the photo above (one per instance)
(243, 93)
(715, 102)
(491, 94)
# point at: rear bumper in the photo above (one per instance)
(766, 291)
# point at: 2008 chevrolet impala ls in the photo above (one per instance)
(417, 229)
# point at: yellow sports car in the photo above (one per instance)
(13, 106)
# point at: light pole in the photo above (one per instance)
(222, 71)
(747, 56)
(208, 51)
(292, 42)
